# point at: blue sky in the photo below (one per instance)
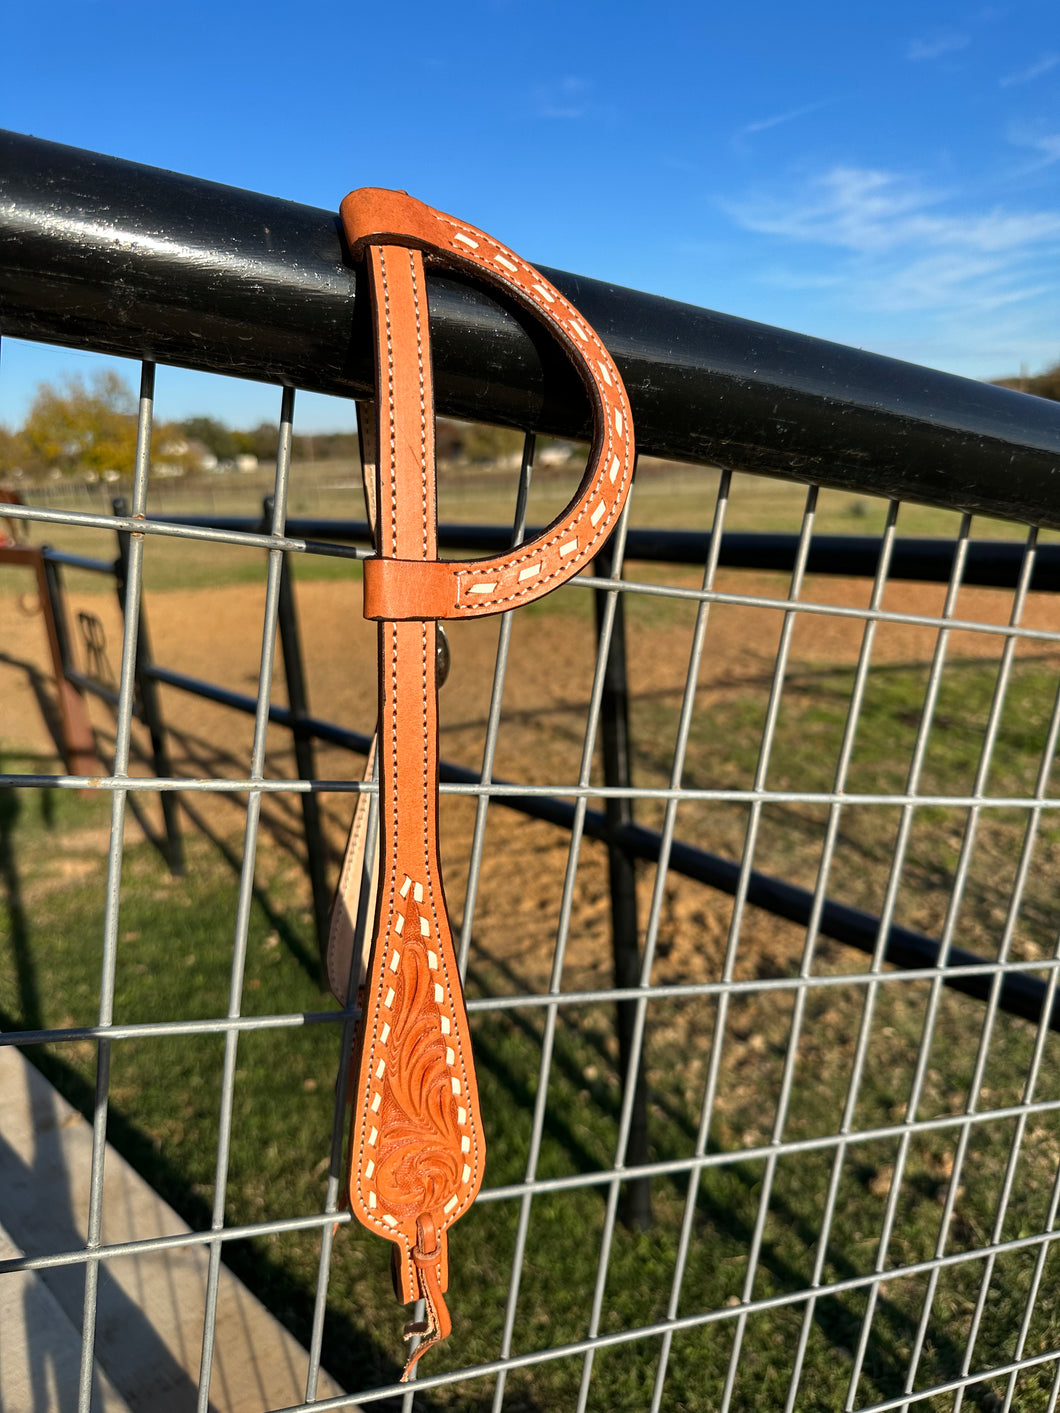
(884, 175)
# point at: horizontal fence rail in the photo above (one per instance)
(132, 260)
(993, 564)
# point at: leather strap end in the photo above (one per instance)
(429, 1266)
(408, 589)
(353, 906)
(374, 216)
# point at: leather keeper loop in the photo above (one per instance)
(408, 589)
(375, 216)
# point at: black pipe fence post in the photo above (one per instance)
(635, 1209)
(57, 599)
(304, 752)
(150, 704)
(78, 738)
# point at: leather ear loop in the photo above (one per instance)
(365, 213)
(415, 589)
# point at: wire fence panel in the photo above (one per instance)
(752, 860)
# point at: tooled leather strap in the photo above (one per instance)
(417, 1150)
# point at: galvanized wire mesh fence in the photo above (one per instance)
(801, 1173)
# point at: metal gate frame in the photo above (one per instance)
(868, 450)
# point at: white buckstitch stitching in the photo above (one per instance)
(529, 274)
(585, 552)
(566, 527)
(581, 557)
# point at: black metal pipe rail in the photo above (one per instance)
(994, 564)
(78, 561)
(131, 260)
(126, 259)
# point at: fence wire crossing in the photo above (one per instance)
(804, 1167)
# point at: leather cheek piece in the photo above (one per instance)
(417, 1152)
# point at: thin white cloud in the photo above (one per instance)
(566, 98)
(1045, 144)
(935, 45)
(1033, 71)
(949, 281)
(875, 212)
(1049, 147)
(895, 245)
(779, 119)
(783, 278)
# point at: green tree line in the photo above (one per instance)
(77, 428)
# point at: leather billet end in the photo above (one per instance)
(374, 216)
(429, 1256)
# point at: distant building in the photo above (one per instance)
(179, 454)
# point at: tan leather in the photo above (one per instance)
(483, 586)
(355, 901)
(354, 904)
(416, 1149)
(407, 589)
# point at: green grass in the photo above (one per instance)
(724, 749)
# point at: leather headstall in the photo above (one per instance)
(416, 1144)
